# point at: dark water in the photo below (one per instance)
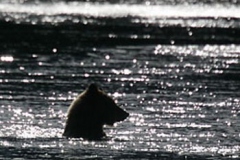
(173, 67)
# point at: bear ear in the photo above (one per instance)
(93, 88)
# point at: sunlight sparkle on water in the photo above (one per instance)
(137, 119)
(117, 94)
(107, 57)
(123, 71)
(6, 58)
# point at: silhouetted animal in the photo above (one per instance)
(89, 112)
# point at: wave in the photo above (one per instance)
(91, 24)
(122, 10)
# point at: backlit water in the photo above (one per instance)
(173, 67)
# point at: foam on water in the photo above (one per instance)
(122, 10)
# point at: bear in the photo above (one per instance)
(87, 114)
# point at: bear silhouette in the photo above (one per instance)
(89, 112)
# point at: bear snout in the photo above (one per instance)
(117, 116)
(123, 115)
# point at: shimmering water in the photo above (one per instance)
(178, 77)
(182, 100)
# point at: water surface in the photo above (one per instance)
(176, 73)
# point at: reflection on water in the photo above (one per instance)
(183, 100)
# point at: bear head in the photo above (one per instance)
(90, 111)
(105, 107)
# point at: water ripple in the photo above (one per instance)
(183, 100)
